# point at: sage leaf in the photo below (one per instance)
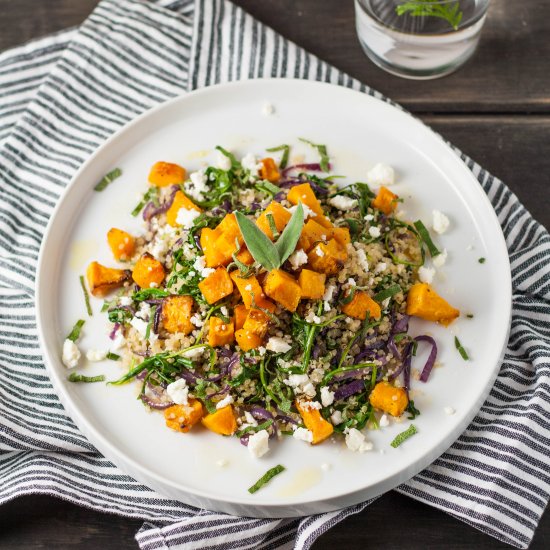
(286, 243)
(261, 248)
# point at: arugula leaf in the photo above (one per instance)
(261, 248)
(286, 243)
(322, 149)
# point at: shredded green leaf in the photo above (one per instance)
(112, 356)
(150, 195)
(86, 296)
(425, 236)
(74, 335)
(107, 179)
(412, 410)
(267, 187)
(284, 158)
(387, 293)
(75, 377)
(481, 260)
(322, 149)
(461, 350)
(403, 436)
(269, 475)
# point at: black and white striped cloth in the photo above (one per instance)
(60, 98)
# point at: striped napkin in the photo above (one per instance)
(61, 97)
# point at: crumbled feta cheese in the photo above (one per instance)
(95, 355)
(193, 353)
(440, 222)
(327, 296)
(277, 345)
(312, 318)
(449, 411)
(224, 163)
(250, 163)
(258, 443)
(248, 288)
(196, 320)
(303, 435)
(310, 405)
(381, 174)
(262, 350)
(336, 418)
(351, 282)
(362, 259)
(380, 267)
(125, 301)
(198, 185)
(440, 259)
(71, 354)
(227, 400)
(186, 217)
(327, 396)
(297, 259)
(308, 212)
(342, 202)
(118, 340)
(319, 252)
(369, 217)
(295, 380)
(250, 420)
(426, 274)
(267, 109)
(384, 421)
(178, 392)
(200, 266)
(355, 441)
(141, 327)
(158, 248)
(374, 232)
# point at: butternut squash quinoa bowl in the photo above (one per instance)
(265, 300)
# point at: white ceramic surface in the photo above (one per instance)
(359, 132)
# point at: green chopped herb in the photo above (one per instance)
(267, 187)
(74, 335)
(106, 305)
(403, 436)
(448, 11)
(253, 429)
(150, 195)
(284, 158)
(481, 260)
(150, 323)
(470, 315)
(387, 293)
(425, 236)
(75, 377)
(86, 296)
(112, 356)
(148, 294)
(349, 296)
(322, 149)
(269, 475)
(412, 410)
(272, 225)
(119, 315)
(108, 178)
(461, 350)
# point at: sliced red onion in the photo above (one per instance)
(151, 210)
(156, 318)
(244, 440)
(406, 360)
(312, 166)
(401, 326)
(154, 404)
(260, 412)
(223, 391)
(357, 386)
(284, 418)
(116, 327)
(393, 348)
(197, 240)
(431, 358)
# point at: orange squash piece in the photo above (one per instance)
(245, 257)
(166, 173)
(341, 234)
(176, 314)
(269, 170)
(216, 286)
(180, 201)
(122, 244)
(183, 417)
(220, 333)
(247, 340)
(148, 272)
(360, 305)
(312, 284)
(328, 257)
(281, 216)
(283, 288)
(256, 322)
(212, 256)
(389, 399)
(239, 316)
(424, 302)
(315, 423)
(103, 280)
(251, 291)
(312, 233)
(304, 193)
(222, 421)
(385, 201)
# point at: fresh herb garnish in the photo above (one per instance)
(148, 294)
(322, 149)
(150, 322)
(470, 315)
(75, 377)
(284, 158)
(481, 260)
(108, 178)
(270, 474)
(120, 315)
(74, 335)
(429, 8)
(112, 356)
(403, 436)
(86, 296)
(267, 187)
(150, 195)
(425, 236)
(387, 293)
(412, 410)
(461, 350)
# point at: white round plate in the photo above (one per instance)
(359, 132)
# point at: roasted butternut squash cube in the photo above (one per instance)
(314, 422)
(183, 417)
(424, 302)
(328, 257)
(304, 193)
(247, 340)
(103, 280)
(312, 233)
(245, 257)
(281, 216)
(176, 314)
(360, 305)
(283, 288)
(256, 322)
(312, 284)
(122, 244)
(239, 316)
(220, 333)
(385, 200)
(222, 421)
(166, 173)
(180, 201)
(389, 399)
(251, 292)
(341, 234)
(216, 286)
(148, 272)
(229, 226)
(212, 256)
(269, 170)
(229, 239)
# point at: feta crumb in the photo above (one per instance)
(319, 252)
(95, 355)
(310, 405)
(140, 325)
(312, 318)
(71, 354)
(178, 392)
(248, 288)
(118, 341)
(198, 185)
(303, 435)
(336, 418)
(186, 217)
(258, 443)
(384, 421)
(227, 400)
(196, 320)
(374, 232)
(327, 396)
(426, 274)
(440, 259)
(125, 301)
(449, 411)
(381, 174)
(326, 467)
(380, 267)
(249, 163)
(351, 282)
(308, 212)
(267, 109)
(224, 163)
(277, 345)
(369, 217)
(250, 420)
(200, 266)
(193, 353)
(356, 442)
(327, 297)
(342, 202)
(440, 222)
(298, 259)
(362, 259)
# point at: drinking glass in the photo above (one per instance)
(420, 39)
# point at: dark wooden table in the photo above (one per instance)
(496, 109)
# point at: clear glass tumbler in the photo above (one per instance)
(420, 39)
